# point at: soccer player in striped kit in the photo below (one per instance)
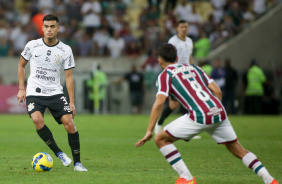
(184, 47)
(202, 97)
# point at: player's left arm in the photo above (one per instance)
(70, 88)
(155, 114)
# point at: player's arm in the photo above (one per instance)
(191, 61)
(70, 88)
(155, 114)
(215, 90)
(21, 77)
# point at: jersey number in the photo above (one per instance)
(199, 91)
(64, 99)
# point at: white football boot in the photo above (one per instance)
(65, 159)
(78, 167)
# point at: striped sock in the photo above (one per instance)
(251, 161)
(174, 158)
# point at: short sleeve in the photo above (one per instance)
(207, 78)
(69, 61)
(163, 84)
(26, 53)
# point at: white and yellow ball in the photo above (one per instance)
(42, 162)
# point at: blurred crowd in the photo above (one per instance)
(105, 28)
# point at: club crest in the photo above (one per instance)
(57, 59)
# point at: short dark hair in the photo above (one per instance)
(181, 22)
(51, 17)
(167, 52)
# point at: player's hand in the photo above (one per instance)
(21, 96)
(72, 108)
(146, 138)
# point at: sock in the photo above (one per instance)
(251, 161)
(75, 146)
(166, 112)
(173, 157)
(46, 135)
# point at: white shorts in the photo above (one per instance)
(184, 128)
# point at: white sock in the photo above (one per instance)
(174, 158)
(250, 160)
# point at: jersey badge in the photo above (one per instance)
(48, 52)
(57, 59)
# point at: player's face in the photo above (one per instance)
(183, 29)
(50, 29)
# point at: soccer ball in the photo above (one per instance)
(42, 162)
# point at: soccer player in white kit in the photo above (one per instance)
(47, 57)
(199, 94)
(184, 47)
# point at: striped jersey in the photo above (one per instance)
(189, 84)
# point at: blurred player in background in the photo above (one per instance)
(47, 56)
(184, 47)
(202, 97)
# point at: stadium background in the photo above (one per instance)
(146, 24)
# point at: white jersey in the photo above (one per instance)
(46, 63)
(184, 48)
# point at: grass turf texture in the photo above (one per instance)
(108, 152)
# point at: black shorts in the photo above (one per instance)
(57, 104)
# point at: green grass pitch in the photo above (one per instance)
(108, 152)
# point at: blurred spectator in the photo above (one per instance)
(143, 18)
(270, 104)
(218, 74)
(151, 36)
(46, 6)
(254, 92)
(247, 15)
(116, 45)
(194, 20)
(136, 88)
(85, 46)
(202, 47)
(183, 11)
(229, 26)
(151, 69)
(125, 33)
(73, 8)
(120, 7)
(205, 65)
(60, 11)
(91, 12)
(37, 19)
(170, 23)
(5, 47)
(218, 11)
(154, 3)
(101, 83)
(24, 15)
(132, 50)
(19, 37)
(259, 7)
(101, 38)
(153, 14)
(170, 5)
(237, 15)
(231, 79)
(209, 26)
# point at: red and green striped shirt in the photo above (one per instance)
(189, 84)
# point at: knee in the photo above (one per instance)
(69, 126)
(160, 142)
(38, 122)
